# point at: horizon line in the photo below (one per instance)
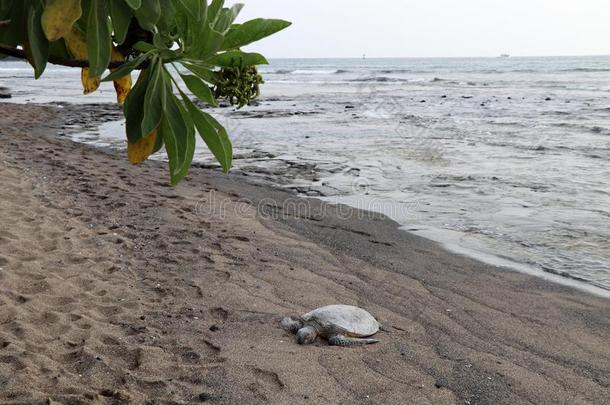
(499, 56)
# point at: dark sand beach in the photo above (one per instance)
(116, 288)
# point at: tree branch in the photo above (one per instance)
(20, 54)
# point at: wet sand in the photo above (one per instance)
(116, 288)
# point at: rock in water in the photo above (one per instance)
(5, 92)
(341, 325)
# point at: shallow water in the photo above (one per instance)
(511, 154)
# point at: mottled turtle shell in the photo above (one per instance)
(346, 319)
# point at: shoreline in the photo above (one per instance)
(115, 288)
(512, 265)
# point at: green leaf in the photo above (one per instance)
(214, 10)
(226, 17)
(238, 59)
(39, 46)
(192, 31)
(161, 41)
(125, 68)
(121, 14)
(183, 22)
(154, 101)
(193, 7)
(99, 40)
(58, 49)
(167, 21)
(178, 133)
(143, 46)
(213, 134)
(203, 72)
(203, 13)
(13, 34)
(134, 4)
(252, 31)
(212, 44)
(134, 107)
(148, 15)
(160, 143)
(199, 89)
(5, 8)
(201, 39)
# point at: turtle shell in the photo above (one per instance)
(353, 321)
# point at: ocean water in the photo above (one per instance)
(505, 158)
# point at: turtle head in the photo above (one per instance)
(307, 335)
(291, 325)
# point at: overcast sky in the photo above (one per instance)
(412, 28)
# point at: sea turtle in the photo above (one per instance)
(341, 325)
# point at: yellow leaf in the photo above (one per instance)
(76, 42)
(117, 56)
(59, 16)
(138, 152)
(122, 88)
(123, 85)
(90, 84)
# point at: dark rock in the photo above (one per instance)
(277, 113)
(347, 107)
(214, 328)
(548, 99)
(5, 92)
(204, 397)
(256, 154)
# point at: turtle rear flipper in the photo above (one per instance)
(340, 340)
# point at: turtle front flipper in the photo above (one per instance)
(340, 340)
